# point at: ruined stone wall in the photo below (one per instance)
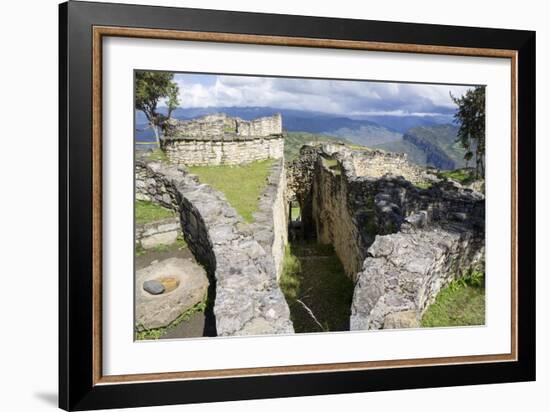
(150, 186)
(334, 219)
(219, 139)
(229, 151)
(399, 242)
(220, 124)
(270, 227)
(210, 125)
(300, 174)
(264, 126)
(163, 232)
(247, 298)
(376, 163)
(405, 271)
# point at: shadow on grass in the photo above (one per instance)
(316, 288)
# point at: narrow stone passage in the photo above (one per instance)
(317, 291)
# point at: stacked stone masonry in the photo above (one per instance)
(219, 139)
(358, 200)
(238, 257)
(270, 226)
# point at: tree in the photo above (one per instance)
(151, 87)
(470, 117)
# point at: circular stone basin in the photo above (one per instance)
(185, 284)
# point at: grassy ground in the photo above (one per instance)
(313, 280)
(178, 245)
(423, 185)
(242, 185)
(158, 155)
(295, 213)
(149, 212)
(462, 303)
(463, 176)
(333, 165)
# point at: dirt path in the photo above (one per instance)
(322, 301)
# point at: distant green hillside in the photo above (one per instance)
(424, 145)
(368, 135)
(414, 154)
(439, 144)
(295, 140)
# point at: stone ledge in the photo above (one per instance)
(161, 232)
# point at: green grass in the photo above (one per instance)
(332, 164)
(157, 333)
(461, 303)
(463, 176)
(179, 244)
(147, 212)
(360, 148)
(313, 275)
(242, 185)
(423, 185)
(158, 155)
(295, 213)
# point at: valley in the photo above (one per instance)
(428, 141)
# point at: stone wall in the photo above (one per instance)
(405, 271)
(270, 227)
(334, 219)
(219, 139)
(399, 242)
(220, 125)
(151, 187)
(232, 151)
(162, 232)
(247, 298)
(263, 126)
(349, 201)
(376, 163)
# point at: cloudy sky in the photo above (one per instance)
(351, 98)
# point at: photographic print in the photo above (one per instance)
(234, 206)
(277, 205)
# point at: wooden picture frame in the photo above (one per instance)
(82, 385)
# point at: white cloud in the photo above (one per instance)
(332, 96)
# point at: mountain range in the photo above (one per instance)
(427, 140)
